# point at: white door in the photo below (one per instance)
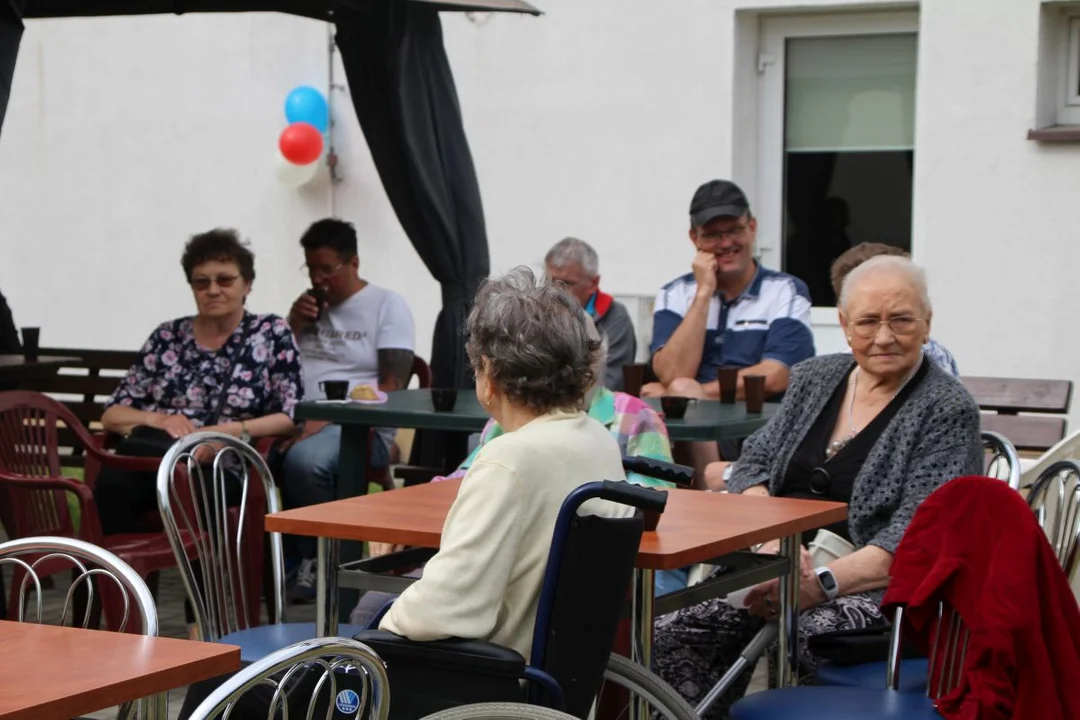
(836, 144)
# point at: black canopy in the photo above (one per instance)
(404, 95)
(319, 9)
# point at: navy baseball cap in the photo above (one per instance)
(717, 198)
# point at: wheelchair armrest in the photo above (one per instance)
(415, 475)
(455, 653)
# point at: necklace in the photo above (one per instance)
(837, 445)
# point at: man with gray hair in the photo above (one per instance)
(574, 264)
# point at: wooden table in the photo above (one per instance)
(16, 367)
(696, 527)
(60, 672)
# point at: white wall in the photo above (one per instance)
(125, 135)
(995, 214)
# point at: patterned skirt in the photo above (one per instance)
(695, 646)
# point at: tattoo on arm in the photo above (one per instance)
(395, 367)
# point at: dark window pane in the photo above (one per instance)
(833, 200)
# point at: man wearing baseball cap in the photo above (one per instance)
(728, 311)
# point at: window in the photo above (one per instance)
(1058, 93)
(1069, 113)
(839, 151)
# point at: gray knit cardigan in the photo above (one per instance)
(932, 439)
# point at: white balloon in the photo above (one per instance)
(293, 175)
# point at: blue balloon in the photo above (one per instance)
(306, 104)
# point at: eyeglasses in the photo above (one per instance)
(570, 284)
(320, 270)
(717, 236)
(868, 327)
(222, 281)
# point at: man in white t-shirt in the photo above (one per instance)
(360, 333)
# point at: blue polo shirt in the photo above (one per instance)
(770, 320)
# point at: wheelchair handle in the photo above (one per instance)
(678, 474)
(644, 498)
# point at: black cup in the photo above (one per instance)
(31, 338)
(319, 293)
(754, 387)
(633, 378)
(674, 407)
(335, 389)
(443, 399)
(729, 384)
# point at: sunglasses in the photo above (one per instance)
(222, 281)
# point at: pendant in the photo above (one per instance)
(836, 446)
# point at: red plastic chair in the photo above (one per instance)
(33, 492)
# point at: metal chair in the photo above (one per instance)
(300, 680)
(1002, 462)
(1055, 498)
(223, 576)
(95, 570)
(589, 569)
(815, 702)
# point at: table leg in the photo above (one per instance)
(352, 462)
(326, 588)
(641, 633)
(155, 707)
(352, 481)
(787, 663)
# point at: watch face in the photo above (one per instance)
(828, 581)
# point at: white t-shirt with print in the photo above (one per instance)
(344, 343)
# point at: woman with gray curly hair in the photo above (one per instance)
(533, 359)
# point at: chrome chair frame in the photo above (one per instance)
(92, 563)
(1001, 451)
(331, 654)
(1055, 500)
(947, 652)
(221, 557)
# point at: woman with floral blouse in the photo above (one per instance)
(223, 356)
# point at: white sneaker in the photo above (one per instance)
(303, 590)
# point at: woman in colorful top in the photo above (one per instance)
(635, 426)
(176, 385)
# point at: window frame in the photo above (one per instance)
(1069, 92)
(771, 69)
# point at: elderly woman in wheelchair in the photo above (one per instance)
(532, 356)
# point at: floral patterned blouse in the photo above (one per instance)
(174, 374)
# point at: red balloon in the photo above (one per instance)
(301, 143)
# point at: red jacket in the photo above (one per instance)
(976, 545)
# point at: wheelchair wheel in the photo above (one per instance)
(642, 687)
(492, 711)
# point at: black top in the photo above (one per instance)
(810, 476)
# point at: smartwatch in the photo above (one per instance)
(828, 583)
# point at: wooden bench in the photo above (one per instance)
(83, 386)
(1002, 401)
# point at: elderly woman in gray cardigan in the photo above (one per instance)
(879, 429)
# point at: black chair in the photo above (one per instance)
(585, 591)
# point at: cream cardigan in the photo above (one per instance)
(484, 583)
